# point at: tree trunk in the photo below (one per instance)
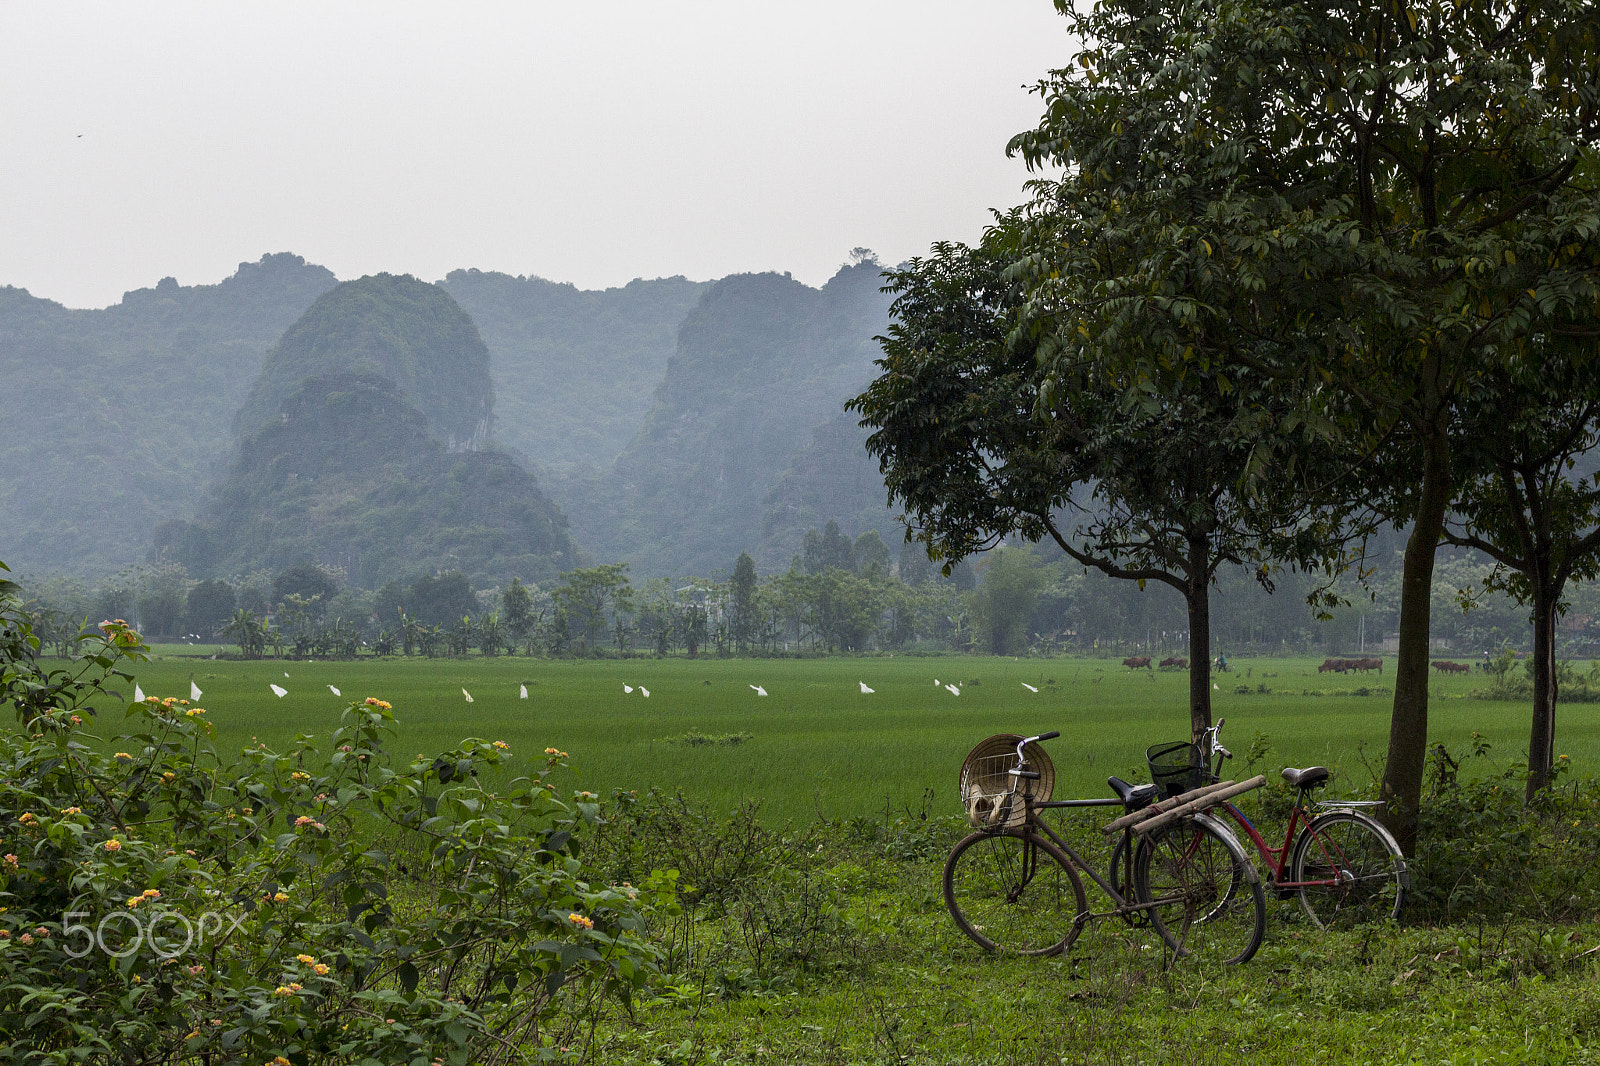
(1401, 789)
(1198, 595)
(1542, 737)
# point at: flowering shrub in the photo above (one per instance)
(162, 904)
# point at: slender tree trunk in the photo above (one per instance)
(1401, 789)
(1542, 737)
(1198, 595)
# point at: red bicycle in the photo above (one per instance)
(1343, 865)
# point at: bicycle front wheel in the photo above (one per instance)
(1355, 870)
(1014, 892)
(1204, 897)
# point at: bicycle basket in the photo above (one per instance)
(1177, 768)
(990, 794)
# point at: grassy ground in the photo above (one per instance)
(842, 952)
(913, 992)
(818, 745)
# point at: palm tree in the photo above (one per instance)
(248, 631)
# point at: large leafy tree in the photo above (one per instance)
(1372, 204)
(981, 440)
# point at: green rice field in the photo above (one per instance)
(817, 745)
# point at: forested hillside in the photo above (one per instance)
(115, 418)
(374, 459)
(349, 476)
(574, 370)
(759, 378)
(395, 327)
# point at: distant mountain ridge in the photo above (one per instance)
(762, 362)
(677, 423)
(115, 418)
(574, 370)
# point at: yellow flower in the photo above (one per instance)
(134, 901)
(122, 755)
(152, 893)
(320, 968)
(283, 990)
(194, 711)
(502, 745)
(580, 921)
(113, 845)
(307, 959)
(281, 897)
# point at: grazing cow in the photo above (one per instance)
(1446, 667)
(1363, 665)
(1328, 664)
(1137, 662)
(1172, 662)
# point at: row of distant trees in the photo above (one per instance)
(838, 594)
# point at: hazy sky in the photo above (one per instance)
(591, 141)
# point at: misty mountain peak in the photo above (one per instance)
(391, 326)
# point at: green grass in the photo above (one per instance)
(818, 746)
(888, 978)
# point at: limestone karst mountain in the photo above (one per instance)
(391, 326)
(763, 363)
(367, 449)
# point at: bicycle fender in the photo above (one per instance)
(1251, 873)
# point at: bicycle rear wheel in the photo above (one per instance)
(1207, 899)
(1014, 892)
(1363, 873)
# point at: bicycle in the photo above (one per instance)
(1013, 886)
(1344, 866)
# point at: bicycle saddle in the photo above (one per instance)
(1310, 777)
(1133, 797)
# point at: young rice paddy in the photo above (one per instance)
(815, 744)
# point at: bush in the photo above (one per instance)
(159, 905)
(1483, 853)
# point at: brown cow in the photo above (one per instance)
(1363, 665)
(1138, 662)
(1328, 664)
(1173, 663)
(1447, 667)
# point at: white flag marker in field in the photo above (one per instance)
(953, 690)
(864, 688)
(278, 691)
(645, 691)
(335, 691)
(524, 692)
(138, 694)
(194, 691)
(1029, 687)
(627, 688)
(467, 694)
(759, 690)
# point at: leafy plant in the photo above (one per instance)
(158, 904)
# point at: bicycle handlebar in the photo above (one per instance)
(1022, 762)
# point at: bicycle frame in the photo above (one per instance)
(1276, 860)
